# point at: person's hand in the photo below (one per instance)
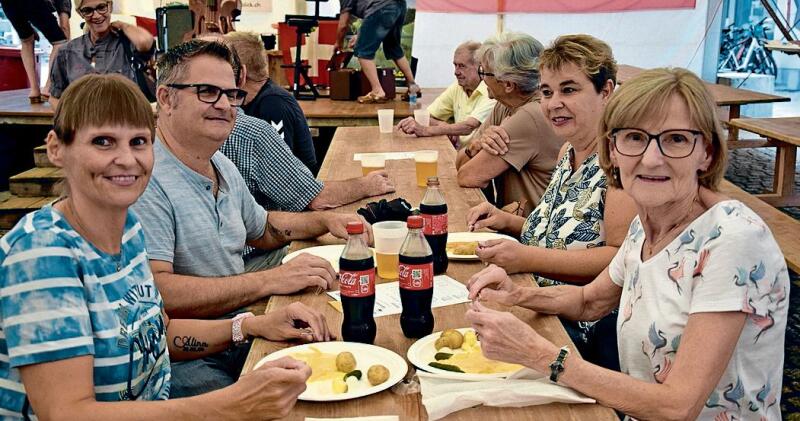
(504, 337)
(305, 270)
(508, 254)
(493, 284)
(352, 43)
(270, 390)
(485, 215)
(406, 125)
(495, 140)
(295, 321)
(118, 25)
(337, 224)
(377, 183)
(410, 126)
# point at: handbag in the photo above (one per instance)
(145, 77)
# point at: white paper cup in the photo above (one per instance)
(386, 120)
(423, 117)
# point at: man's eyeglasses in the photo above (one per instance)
(482, 74)
(86, 12)
(671, 143)
(210, 94)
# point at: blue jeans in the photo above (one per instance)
(385, 25)
(195, 377)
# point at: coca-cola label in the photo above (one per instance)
(416, 277)
(355, 284)
(434, 224)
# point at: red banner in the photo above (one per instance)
(549, 6)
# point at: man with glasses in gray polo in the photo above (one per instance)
(198, 214)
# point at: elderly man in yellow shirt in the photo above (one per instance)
(462, 107)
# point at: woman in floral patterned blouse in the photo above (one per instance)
(701, 285)
(579, 219)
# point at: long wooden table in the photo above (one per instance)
(324, 112)
(724, 96)
(338, 165)
(784, 135)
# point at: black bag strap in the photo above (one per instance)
(138, 68)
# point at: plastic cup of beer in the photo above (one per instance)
(389, 236)
(426, 166)
(423, 117)
(386, 120)
(370, 163)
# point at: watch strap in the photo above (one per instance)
(237, 336)
(557, 366)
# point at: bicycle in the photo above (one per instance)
(742, 50)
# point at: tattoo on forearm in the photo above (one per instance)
(282, 236)
(189, 344)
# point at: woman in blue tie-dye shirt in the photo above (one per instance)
(81, 321)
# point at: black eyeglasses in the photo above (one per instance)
(482, 74)
(671, 143)
(89, 11)
(210, 94)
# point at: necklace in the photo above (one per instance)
(72, 216)
(654, 245)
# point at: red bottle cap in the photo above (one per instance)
(414, 221)
(355, 227)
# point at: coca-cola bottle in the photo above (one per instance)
(433, 210)
(416, 281)
(357, 287)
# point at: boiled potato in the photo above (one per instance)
(339, 385)
(345, 362)
(441, 343)
(453, 338)
(470, 340)
(377, 374)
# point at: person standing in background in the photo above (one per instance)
(24, 16)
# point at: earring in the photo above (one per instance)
(615, 175)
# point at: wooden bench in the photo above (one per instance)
(783, 134)
(785, 229)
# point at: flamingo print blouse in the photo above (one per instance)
(725, 260)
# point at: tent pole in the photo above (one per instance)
(501, 17)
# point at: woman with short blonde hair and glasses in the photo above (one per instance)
(701, 285)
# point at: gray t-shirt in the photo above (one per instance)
(186, 225)
(363, 8)
(81, 57)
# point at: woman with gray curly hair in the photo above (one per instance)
(521, 172)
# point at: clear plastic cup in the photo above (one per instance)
(389, 236)
(426, 163)
(423, 117)
(370, 163)
(386, 120)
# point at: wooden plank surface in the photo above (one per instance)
(723, 95)
(324, 112)
(784, 129)
(339, 165)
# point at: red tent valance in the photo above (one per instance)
(549, 6)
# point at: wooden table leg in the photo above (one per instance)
(733, 132)
(783, 193)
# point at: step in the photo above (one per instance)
(14, 208)
(40, 157)
(36, 182)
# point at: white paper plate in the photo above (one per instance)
(457, 237)
(331, 253)
(422, 351)
(366, 355)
